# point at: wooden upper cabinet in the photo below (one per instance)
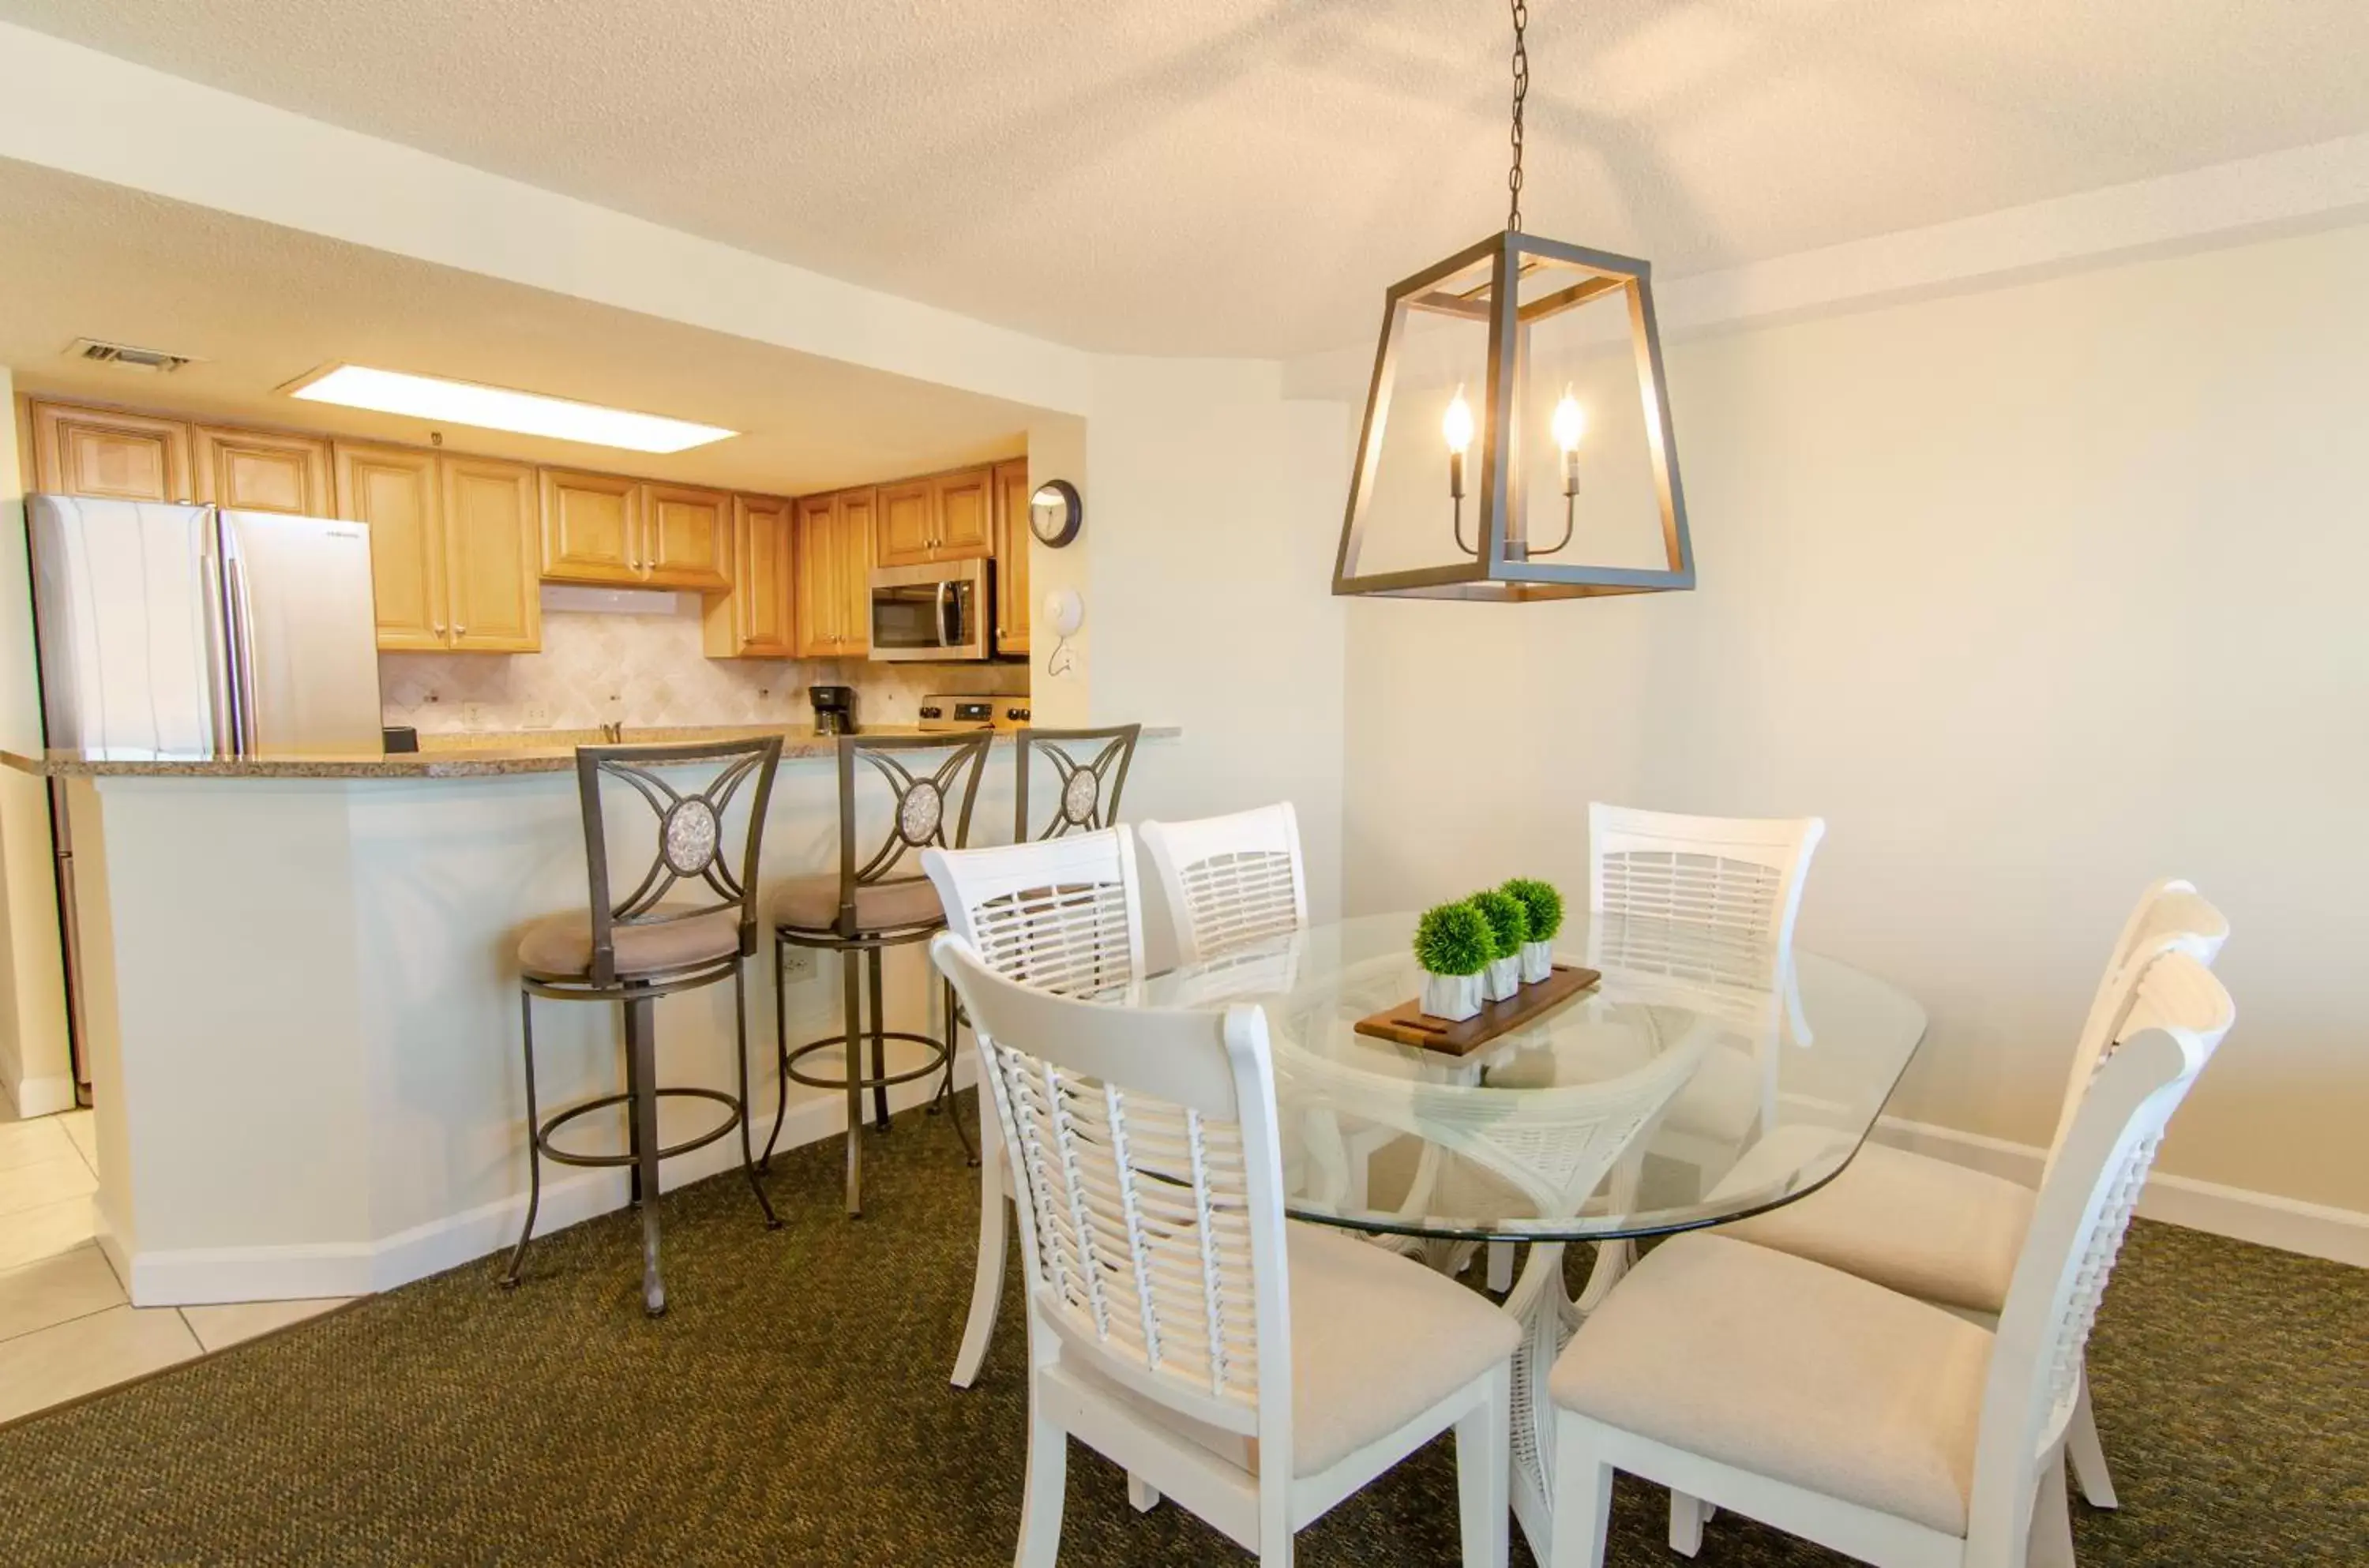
(102, 452)
(856, 514)
(758, 617)
(964, 507)
(908, 525)
(263, 471)
(815, 568)
(393, 492)
(686, 538)
(592, 528)
(946, 517)
(492, 555)
(1013, 608)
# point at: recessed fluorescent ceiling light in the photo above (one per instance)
(497, 409)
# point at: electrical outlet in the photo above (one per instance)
(472, 716)
(797, 963)
(538, 716)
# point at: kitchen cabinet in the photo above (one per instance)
(104, 451)
(686, 538)
(455, 557)
(591, 529)
(759, 618)
(945, 517)
(393, 491)
(963, 505)
(493, 562)
(833, 570)
(262, 470)
(815, 568)
(614, 532)
(855, 518)
(1013, 605)
(908, 527)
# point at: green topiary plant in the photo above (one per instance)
(1541, 902)
(1509, 922)
(1454, 939)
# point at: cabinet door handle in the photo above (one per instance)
(459, 631)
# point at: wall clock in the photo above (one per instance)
(1055, 513)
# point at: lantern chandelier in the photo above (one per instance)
(1472, 322)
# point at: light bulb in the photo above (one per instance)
(1569, 422)
(1456, 423)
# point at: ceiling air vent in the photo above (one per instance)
(154, 361)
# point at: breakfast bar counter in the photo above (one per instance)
(301, 1007)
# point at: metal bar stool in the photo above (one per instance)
(635, 949)
(1088, 800)
(862, 911)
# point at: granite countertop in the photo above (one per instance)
(446, 757)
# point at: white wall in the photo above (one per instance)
(1213, 514)
(2034, 594)
(36, 1071)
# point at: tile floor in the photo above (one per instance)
(67, 1327)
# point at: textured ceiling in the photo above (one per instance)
(1245, 177)
(260, 305)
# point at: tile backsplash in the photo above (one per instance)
(647, 669)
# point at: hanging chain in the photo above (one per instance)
(1521, 91)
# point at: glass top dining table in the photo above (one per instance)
(1705, 1076)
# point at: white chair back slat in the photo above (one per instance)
(1144, 1151)
(1741, 875)
(1229, 881)
(2171, 917)
(1725, 890)
(1065, 914)
(2177, 1015)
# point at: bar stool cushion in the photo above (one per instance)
(562, 944)
(1790, 1370)
(811, 903)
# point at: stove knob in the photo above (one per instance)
(1018, 715)
(929, 712)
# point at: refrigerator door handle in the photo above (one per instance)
(223, 681)
(242, 637)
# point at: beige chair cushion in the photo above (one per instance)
(1376, 1340)
(1930, 1229)
(1789, 1369)
(560, 946)
(811, 903)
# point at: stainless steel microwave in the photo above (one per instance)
(937, 613)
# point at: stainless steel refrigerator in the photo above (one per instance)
(183, 632)
(172, 631)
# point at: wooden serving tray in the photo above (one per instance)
(1409, 1025)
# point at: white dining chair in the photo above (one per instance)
(1873, 1424)
(1255, 1372)
(1950, 1234)
(1712, 900)
(1739, 876)
(1061, 913)
(1229, 881)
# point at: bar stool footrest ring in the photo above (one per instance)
(939, 1053)
(542, 1134)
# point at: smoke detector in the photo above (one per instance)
(155, 362)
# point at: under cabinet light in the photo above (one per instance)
(498, 408)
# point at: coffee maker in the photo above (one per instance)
(834, 709)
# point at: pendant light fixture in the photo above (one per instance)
(1464, 346)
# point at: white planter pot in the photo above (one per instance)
(1453, 997)
(1538, 962)
(1501, 979)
